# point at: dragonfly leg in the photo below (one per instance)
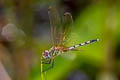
(48, 62)
(51, 66)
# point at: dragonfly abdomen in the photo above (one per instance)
(82, 44)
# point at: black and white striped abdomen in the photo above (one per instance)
(85, 43)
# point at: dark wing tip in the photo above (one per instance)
(67, 13)
(49, 8)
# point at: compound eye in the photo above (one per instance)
(46, 54)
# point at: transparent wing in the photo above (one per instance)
(67, 26)
(60, 30)
(56, 25)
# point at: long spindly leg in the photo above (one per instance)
(51, 66)
(46, 62)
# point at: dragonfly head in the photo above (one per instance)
(46, 54)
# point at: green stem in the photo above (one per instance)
(42, 75)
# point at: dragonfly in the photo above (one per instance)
(60, 30)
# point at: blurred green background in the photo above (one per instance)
(21, 46)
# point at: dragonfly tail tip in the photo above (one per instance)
(97, 39)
